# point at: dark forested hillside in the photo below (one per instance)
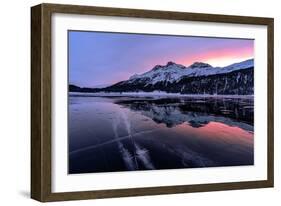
(240, 82)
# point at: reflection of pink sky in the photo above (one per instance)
(217, 131)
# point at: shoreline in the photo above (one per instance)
(156, 94)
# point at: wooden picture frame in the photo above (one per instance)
(41, 116)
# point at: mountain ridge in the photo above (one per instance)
(173, 72)
(197, 78)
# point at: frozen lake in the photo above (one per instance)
(123, 133)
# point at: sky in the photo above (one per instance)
(98, 59)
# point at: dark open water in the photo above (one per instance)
(108, 134)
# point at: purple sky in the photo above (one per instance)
(99, 58)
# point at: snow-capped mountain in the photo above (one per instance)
(198, 78)
(172, 72)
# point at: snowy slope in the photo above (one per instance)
(172, 72)
(169, 72)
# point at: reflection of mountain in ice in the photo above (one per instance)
(171, 116)
(175, 113)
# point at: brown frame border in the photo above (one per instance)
(41, 101)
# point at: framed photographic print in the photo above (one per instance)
(130, 102)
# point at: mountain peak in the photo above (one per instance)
(199, 65)
(173, 64)
(170, 63)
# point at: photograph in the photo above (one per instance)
(139, 102)
(129, 102)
